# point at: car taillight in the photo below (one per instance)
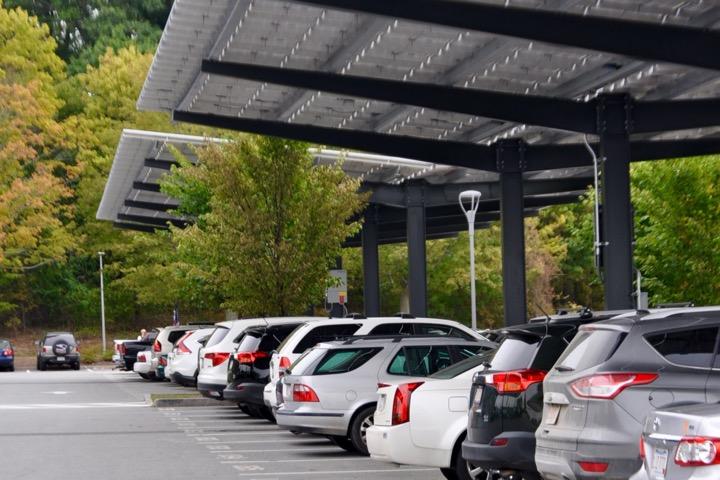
(250, 357)
(401, 402)
(593, 467)
(383, 385)
(642, 448)
(47, 349)
(156, 346)
(182, 349)
(607, 386)
(697, 452)
(8, 352)
(515, 381)
(283, 365)
(303, 393)
(122, 349)
(163, 361)
(217, 358)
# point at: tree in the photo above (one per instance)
(275, 222)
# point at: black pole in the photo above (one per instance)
(337, 310)
(417, 276)
(614, 126)
(511, 163)
(371, 264)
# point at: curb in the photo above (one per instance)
(185, 402)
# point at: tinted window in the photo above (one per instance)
(693, 348)
(274, 336)
(420, 361)
(176, 335)
(4, 344)
(325, 333)
(589, 349)
(432, 329)
(551, 348)
(344, 360)
(249, 342)
(217, 336)
(396, 328)
(515, 353)
(461, 367)
(65, 337)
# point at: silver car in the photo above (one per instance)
(331, 389)
(681, 443)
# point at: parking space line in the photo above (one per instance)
(278, 432)
(344, 459)
(339, 472)
(314, 449)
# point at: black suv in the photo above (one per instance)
(249, 368)
(58, 348)
(506, 400)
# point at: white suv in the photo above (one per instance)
(213, 363)
(308, 335)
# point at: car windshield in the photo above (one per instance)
(461, 367)
(65, 337)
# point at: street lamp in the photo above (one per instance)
(473, 197)
(102, 301)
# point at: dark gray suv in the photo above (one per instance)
(57, 349)
(611, 376)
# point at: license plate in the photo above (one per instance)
(551, 414)
(381, 402)
(658, 466)
(60, 359)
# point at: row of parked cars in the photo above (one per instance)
(572, 396)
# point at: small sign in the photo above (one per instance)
(337, 292)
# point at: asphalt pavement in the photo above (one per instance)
(98, 424)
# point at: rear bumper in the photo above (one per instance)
(516, 454)
(316, 422)
(211, 390)
(394, 444)
(141, 367)
(6, 361)
(246, 392)
(183, 380)
(70, 359)
(564, 465)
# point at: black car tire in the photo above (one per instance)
(358, 429)
(243, 408)
(460, 469)
(76, 366)
(343, 442)
(11, 368)
(41, 365)
(144, 376)
(267, 414)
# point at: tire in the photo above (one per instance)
(11, 368)
(267, 414)
(144, 375)
(41, 365)
(358, 428)
(460, 469)
(76, 366)
(243, 408)
(343, 442)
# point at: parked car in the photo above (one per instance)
(249, 367)
(183, 359)
(213, 375)
(117, 355)
(57, 349)
(507, 398)
(130, 348)
(613, 374)
(308, 335)
(143, 365)
(424, 422)
(7, 355)
(164, 343)
(331, 390)
(681, 443)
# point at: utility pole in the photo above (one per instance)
(102, 301)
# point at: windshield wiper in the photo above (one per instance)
(563, 368)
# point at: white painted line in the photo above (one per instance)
(343, 459)
(70, 406)
(216, 441)
(279, 432)
(314, 449)
(341, 472)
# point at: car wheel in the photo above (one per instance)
(358, 429)
(12, 368)
(41, 366)
(268, 414)
(342, 442)
(76, 366)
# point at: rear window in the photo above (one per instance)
(4, 344)
(326, 333)
(692, 348)
(274, 336)
(176, 335)
(51, 339)
(217, 336)
(344, 360)
(515, 353)
(461, 367)
(420, 361)
(590, 348)
(395, 328)
(250, 342)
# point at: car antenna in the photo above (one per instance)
(547, 318)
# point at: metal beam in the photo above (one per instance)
(161, 164)
(400, 237)
(156, 221)
(146, 186)
(548, 112)
(663, 116)
(138, 227)
(460, 154)
(156, 206)
(371, 264)
(651, 41)
(417, 262)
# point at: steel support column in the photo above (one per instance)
(371, 264)
(614, 126)
(511, 163)
(417, 276)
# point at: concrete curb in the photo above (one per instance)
(185, 402)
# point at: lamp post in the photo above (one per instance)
(473, 197)
(102, 301)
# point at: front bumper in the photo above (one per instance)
(516, 454)
(394, 444)
(308, 420)
(246, 392)
(211, 390)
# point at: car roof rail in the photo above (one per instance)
(396, 338)
(404, 315)
(356, 316)
(676, 305)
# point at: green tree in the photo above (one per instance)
(275, 223)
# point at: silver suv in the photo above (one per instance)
(331, 389)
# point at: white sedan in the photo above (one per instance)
(425, 422)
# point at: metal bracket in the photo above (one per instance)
(510, 155)
(615, 114)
